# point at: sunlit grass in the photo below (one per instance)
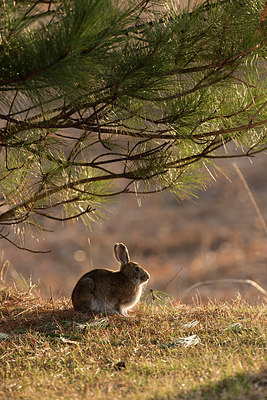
(167, 352)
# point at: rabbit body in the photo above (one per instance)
(110, 292)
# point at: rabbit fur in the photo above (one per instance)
(110, 292)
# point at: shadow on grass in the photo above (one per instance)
(42, 321)
(242, 386)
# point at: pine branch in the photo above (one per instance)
(118, 95)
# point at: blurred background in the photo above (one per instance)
(217, 236)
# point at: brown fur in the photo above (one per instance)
(110, 292)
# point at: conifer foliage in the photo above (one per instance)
(103, 97)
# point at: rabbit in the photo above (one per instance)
(110, 292)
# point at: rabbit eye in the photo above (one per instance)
(137, 269)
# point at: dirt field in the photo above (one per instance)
(217, 236)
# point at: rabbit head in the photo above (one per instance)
(131, 270)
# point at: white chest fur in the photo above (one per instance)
(134, 299)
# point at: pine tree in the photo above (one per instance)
(103, 97)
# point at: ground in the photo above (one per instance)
(161, 352)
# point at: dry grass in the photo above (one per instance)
(211, 351)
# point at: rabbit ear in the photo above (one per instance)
(121, 253)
